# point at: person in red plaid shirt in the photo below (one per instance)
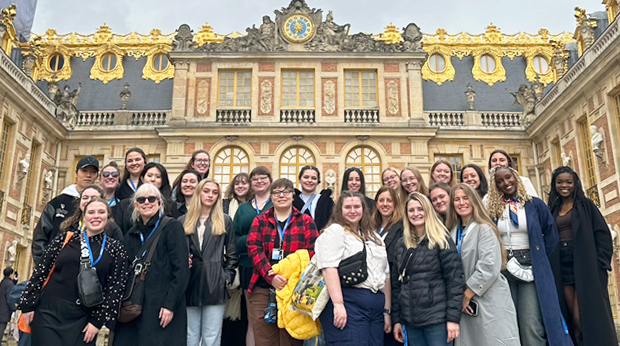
(275, 234)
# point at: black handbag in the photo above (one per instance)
(89, 287)
(353, 270)
(131, 303)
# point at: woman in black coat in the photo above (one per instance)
(582, 261)
(163, 321)
(319, 205)
(214, 259)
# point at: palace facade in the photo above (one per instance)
(300, 89)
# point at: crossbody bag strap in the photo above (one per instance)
(147, 263)
(67, 238)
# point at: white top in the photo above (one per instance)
(335, 244)
(519, 238)
(201, 230)
(312, 207)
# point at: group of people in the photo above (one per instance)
(475, 262)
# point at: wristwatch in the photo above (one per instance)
(387, 311)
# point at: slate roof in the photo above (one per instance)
(96, 96)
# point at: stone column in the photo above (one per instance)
(179, 93)
(416, 102)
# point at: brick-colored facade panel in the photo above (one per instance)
(322, 147)
(571, 147)
(388, 67)
(256, 147)
(203, 67)
(266, 66)
(269, 166)
(206, 146)
(329, 67)
(189, 148)
(272, 147)
(611, 188)
(331, 109)
(405, 148)
(203, 97)
(14, 210)
(393, 97)
(387, 146)
(338, 147)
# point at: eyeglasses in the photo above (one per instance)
(284, 193)
(151, 199)
(202, 161)
(390, 178)
(259, 178)
(109, 174)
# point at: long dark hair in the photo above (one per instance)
(132, 150)
(555, 200)
(345, 180)
(165, 183)
(484, 184)
(178, 194)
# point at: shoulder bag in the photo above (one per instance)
(515, 270)
(89, 287)
(353, 270)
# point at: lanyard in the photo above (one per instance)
(282, 230)
(380, 230)
(150, 234)
(133, 186)
(112, 202)
(90, 252)
(459, 235)
(256, 204)
(80, 226)
(308, 203)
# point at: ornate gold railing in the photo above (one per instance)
(26, 213)
(592, 194)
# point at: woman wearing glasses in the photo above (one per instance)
(275, 234)
(199, 162)
(164, 318)
(110, 180)
(260, 183)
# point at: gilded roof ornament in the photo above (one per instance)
(584, 33)
(206, 35)
(390, 35)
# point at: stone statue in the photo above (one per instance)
(52, 88)
(538, 88)
(335, 33)
(184, 39)
(330, 179)
(412, 38)
(565, 160)
(585, 25)
(597, 138)
(329, 95)
(267, 33)
(28, 64)
(66, 111)
(559, 58)
(49, 176)
(12, 250)
(24, 164)
(527, 99)
(470, 94)
(125, 96)
(392, 96)
(265, 97)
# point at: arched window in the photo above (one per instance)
(56, 62)
(437, 63)
(108, 62)
(368, 160)
(541, 65)
(227, 163)
(487, 63)
(160, 62)
(292, 160)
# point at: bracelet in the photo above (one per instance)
(387, 311)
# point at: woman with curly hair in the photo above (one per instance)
(585, 254)
(529, 235)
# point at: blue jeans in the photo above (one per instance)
(531, 327)
(433, 335)
(205, 322)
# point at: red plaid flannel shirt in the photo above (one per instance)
(300, 234)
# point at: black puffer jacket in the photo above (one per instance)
(432, 287)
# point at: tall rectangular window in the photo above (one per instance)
(235, 89)
(456, 161)
(4, 146)
(34, 152)
(558, 153)
(360, 89)
(588, 154)
(297, 89)
(516, 159)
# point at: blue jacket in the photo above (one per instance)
(544, 238)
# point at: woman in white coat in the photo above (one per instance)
(489, 316)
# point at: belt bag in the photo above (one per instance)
(353, 270)
(89, 287)
(131, 304)
(516, 270)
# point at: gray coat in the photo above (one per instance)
(496, 323)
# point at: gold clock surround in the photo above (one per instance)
(302, 31)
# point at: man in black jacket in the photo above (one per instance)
(6, 309)
(63, 206)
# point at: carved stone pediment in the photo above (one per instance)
(301, 28)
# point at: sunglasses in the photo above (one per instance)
(109, 174)
(142, 200)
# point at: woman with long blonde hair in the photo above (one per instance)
(214, 258)
(358, 314)
(429, 289)
(489, 314)
(530, 235)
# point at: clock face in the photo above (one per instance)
(298, 28)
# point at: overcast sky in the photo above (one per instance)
(226, 16)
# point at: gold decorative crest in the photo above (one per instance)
(298, 28)
(158, 67)
(102, 69)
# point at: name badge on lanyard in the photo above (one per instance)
(278, 253)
